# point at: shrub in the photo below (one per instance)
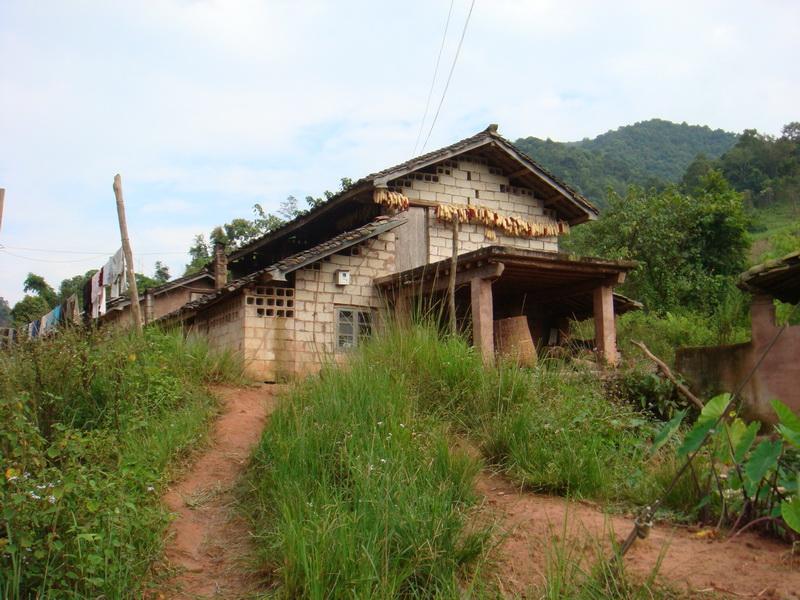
(89, 423)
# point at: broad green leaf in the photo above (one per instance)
(764, 458)
(745, 442)
(791, 436)
(786, 416)
(714, 408)
(695, 438)
(790, 511)
(668, 431)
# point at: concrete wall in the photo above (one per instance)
(223, 324)
(279, 345)
(717, 369)
(466, 180)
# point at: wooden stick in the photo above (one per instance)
(665, 370)
(451, 284)
(136, 314)
(2, 201)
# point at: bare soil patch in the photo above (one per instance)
(746, 566)
(207, 542)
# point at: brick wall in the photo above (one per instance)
(468, 180)
(298, 340)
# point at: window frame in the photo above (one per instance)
(357, 335)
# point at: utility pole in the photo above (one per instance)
(126, 249)
(451, 284)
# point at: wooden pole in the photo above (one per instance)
(136, 314)
(451, 284)
(2, 201)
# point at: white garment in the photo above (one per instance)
(114, 273)
(98, 294)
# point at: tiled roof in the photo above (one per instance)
(297, 261)
(482, 138)
(778, 278)
(123, 301)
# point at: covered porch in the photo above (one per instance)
(498, 283)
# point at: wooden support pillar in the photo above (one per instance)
(402, 308)
(605, 329)
(482, 318)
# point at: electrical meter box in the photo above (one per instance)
(342, 277)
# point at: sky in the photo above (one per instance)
(208, 107)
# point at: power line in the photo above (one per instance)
(433, 81)
(94, 253)
(449, 75)
(45, 260)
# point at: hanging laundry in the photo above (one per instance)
(50, 322)
(114, 274)
(98, 295)
(70, 314)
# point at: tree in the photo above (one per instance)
(74, 285)
(161, 274)
(200, 253)
(5, 313)
(30, 308)
(687, 247)
(37, 284)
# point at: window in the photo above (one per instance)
(352, 326)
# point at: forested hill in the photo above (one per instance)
(647, 153)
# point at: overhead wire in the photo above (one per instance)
(449, 75)
(433, 81)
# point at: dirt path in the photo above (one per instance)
(206, 541)
(747, 566)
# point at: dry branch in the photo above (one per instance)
(665, 370)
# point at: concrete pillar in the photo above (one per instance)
(762, 319)
(482, 318)
(605, 329)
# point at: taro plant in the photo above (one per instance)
(747, 479)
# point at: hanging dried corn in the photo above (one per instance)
(394, 200)
(509, 225)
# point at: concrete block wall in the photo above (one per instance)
(289, 331)
(223, 324)
(467, 180)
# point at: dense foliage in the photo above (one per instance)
(90, 423)
(650, 153)
(688, 247)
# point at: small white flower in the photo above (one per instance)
(150, 488)
(383, 460)
(34, 496)
(51, 499)
(402, 426)
(380, 423)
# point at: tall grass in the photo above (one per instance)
(356, 493)
(355, 490)
(90, 423)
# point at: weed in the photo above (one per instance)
(90, 423)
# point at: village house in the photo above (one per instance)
(313, 289)
(161, 300)
(771, 354)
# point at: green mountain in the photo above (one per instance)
(649, 153)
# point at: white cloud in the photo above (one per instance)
(207, 106)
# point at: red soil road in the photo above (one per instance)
(207, 543)
(746, 566)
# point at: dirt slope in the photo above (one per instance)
(747, 566)
(206, 541)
